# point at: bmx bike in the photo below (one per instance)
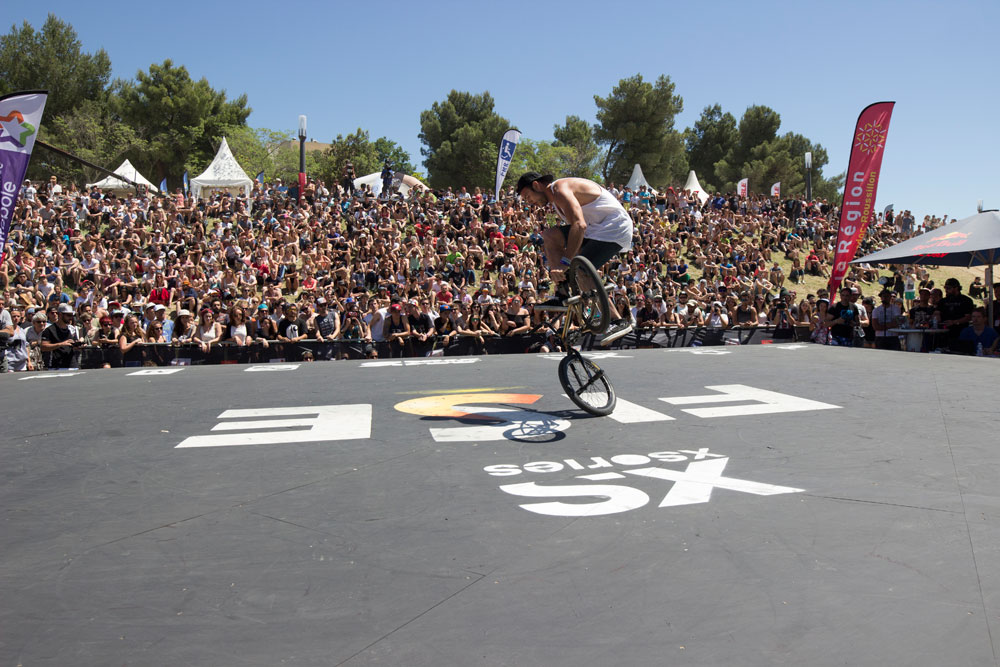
(586, 310)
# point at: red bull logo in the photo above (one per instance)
(949, 236)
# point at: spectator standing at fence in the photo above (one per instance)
(60, 339)
(16, 349)
(647, 316)
(819, 328)
(235, 330)
(327, 321)
(130, 337)
(421, 325)
(397, 331)
(208, 330)
(154, 333)
(6, 331)
(357, 337)
(288, 326)
(183, 327)
(717, 317)
(165, 322)
(842, 318)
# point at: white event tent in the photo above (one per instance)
(224, 174)
(694, 186)
(117, 185)
(637, 179)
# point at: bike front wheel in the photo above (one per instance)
(585, 283)
(586, 384)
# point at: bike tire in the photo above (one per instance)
(595, 308)
(586, 384)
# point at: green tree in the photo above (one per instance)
(759, 125)
(636, 123)
(52, 59)
(543, 157)
(578, 135)
(388, 150)
(460, 137)
(256, 150)
(285, 163)
(366, 155)
(181, 120)
(714, 134)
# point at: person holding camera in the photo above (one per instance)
(60, 339)
(358, 338)
(843, 318)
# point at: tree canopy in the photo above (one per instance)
(460, 136)
(366, 155)
(636, 123)
(52, 59)
(165, 122)
(181, 120)
(713, 134)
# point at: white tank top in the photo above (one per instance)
(606, 220)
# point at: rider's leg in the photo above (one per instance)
(555, 247)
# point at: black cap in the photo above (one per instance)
(530, 177)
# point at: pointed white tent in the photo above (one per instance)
(404, 185)
(117, 185)
(225, 173)
(637, 180)
(694, 186)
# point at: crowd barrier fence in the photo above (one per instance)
(166, 354)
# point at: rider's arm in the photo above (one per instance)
(565, 201)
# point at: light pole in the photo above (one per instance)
(302, 157)
(809, 177)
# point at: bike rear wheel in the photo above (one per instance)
(586, 284)
(586, 384)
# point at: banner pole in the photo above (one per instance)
(66, 154)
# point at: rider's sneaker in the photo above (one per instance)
(616, 330)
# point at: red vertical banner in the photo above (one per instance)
(861, 185)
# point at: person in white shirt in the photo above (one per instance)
(887, 315)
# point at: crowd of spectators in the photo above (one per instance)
(91, 268)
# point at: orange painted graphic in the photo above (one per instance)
(445, 405)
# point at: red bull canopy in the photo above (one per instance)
(972, 241)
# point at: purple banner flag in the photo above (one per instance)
(20, 117)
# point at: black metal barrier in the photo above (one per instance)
(165, 354)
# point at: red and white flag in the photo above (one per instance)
(863, 170)
(743, 187)
(776, 189)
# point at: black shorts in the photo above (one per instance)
(598, 252)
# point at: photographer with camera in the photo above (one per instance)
(357, 336)
(61, 339)
(843, 318)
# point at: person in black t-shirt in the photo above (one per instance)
(60, 339)
(842, 318)
(956, 309)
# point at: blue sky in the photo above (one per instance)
(377, 65)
